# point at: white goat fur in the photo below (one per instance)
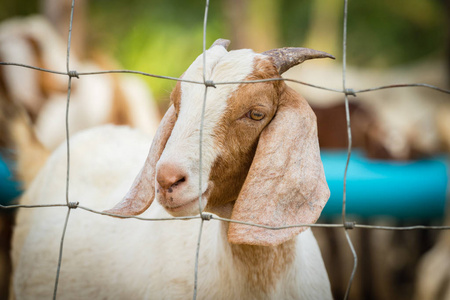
(107, 258)
(93, 101)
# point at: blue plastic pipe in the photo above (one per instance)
(9, 188)
(404, 190)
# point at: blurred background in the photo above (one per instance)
(399, 170)
(163, 37)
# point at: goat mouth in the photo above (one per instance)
(189, 207)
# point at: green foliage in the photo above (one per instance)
(9, 8)
(295, 21)
(386, 33)
(158, 37)
(381, 33)
(164, 36)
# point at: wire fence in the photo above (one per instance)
(345, 225)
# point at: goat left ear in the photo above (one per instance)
(142, 192)
(286, 183)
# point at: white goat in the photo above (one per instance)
(261, 164)
(95, 101)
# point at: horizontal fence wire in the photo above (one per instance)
(346, 225)
(208, 216)
(351, 92)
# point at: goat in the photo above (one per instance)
(397, 124)
(99, 100)
(433, 272)
(393, 124)
(261, 164)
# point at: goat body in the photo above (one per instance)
(100, 262)
(126, 258)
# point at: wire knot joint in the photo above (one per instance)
(209, 83)
(349, 225)
(206, 217)
(73, 205)
(350, 92)
(73, 73)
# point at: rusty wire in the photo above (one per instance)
(204, 216)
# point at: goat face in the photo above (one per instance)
(235, 115)
(260, 152)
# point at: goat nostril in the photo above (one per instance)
(170, 189)
(179, 181)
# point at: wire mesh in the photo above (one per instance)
(345, 225)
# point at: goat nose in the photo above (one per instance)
(170, 176)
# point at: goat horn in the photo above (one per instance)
(221, 42)
(286, 58)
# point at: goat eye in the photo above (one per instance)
(255, 115)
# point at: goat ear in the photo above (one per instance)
(142, 192)
(286, 183)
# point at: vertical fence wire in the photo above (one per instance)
(60, 256)
(200, 162)
(69, 207)
(207, 83)
(349, 151)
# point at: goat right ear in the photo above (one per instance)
(142, 192)
(285, 184)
